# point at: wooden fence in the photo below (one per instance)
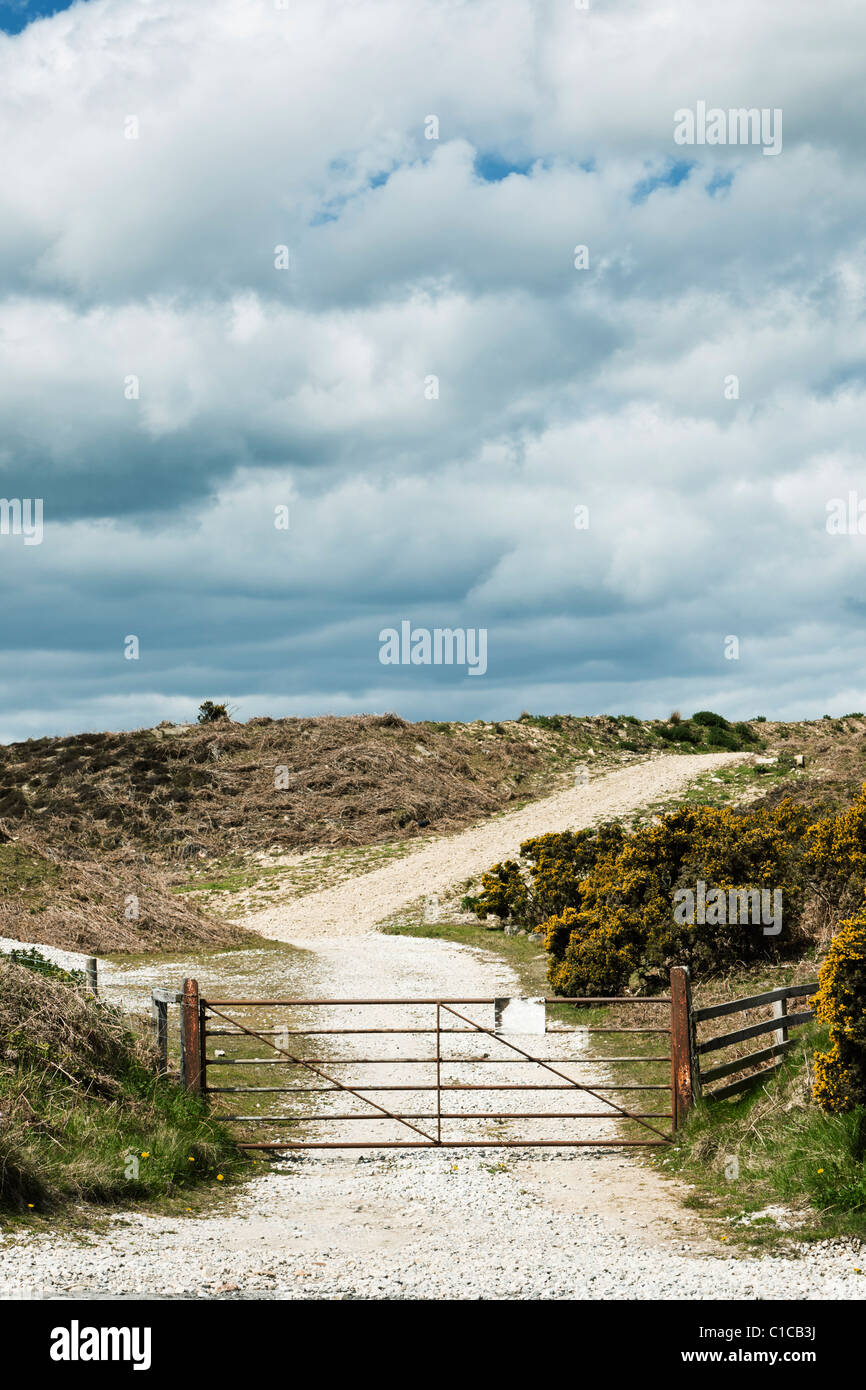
(691, 1051)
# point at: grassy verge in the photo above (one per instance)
(253, 882)
(770, 1164)
(85, 1117)
(726, 786)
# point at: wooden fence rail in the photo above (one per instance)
(778, 1025)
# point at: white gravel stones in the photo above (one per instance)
(420, 1225)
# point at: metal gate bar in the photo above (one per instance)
(363, 1092)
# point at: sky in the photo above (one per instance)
(319, 320)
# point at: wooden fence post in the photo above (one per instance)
(190, 1036)
(159, 1001)
(90, 971)
(159, 1014)
(780, 1010)
(685, 1082)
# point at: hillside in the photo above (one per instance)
(80, 1098)
(97, 826)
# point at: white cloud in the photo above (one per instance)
(259, 127)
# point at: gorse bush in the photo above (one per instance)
(548, 880)
(840, 1073)
(209, 713)
(835, 860)
(606, 900)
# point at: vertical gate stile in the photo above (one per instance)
(682, 1046)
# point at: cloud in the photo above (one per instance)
(431, 386)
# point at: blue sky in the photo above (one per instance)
(15, 15)
(694, 377)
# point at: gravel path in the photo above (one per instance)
(355, 906)
(496, 1223)
(426, 1225)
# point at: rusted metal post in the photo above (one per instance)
(684, 1084)
(202, 1036)
(190, 1036)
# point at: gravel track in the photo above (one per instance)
(426, 1225)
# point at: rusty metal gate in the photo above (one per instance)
(408, 1073)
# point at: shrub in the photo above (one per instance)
(747, 734)
(710, 720)
(209, 713)
(605, 899)
(627, 898)
(834, 862)
(840, 1073)
(717, 737)
(542, 721)
(680, 733)
(594, 963)
(549, 881)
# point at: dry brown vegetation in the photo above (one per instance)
(835, 766)
(88, 820)
(185, 790)
(50, 894)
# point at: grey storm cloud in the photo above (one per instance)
(432, 386)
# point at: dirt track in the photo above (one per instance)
(354, 907)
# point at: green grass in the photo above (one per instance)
(772, 1147)
(724, 786)
(86, 1117)
(150, 1142)
(521, 952)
